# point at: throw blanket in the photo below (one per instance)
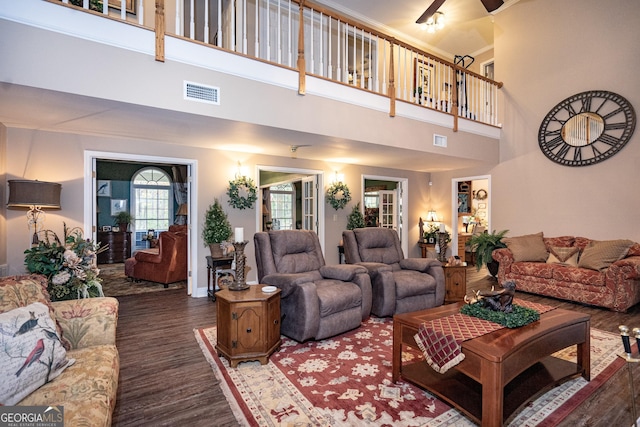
(441, 339)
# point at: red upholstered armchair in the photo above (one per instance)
(165, 264)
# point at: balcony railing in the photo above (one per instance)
(327, 45)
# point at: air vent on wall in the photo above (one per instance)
(201, 93)
(439, 140)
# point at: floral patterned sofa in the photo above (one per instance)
(83, 363)
(600, 273)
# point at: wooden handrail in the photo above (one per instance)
(452, 89)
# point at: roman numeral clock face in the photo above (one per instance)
(587, 128)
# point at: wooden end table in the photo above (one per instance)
(502, 370)
(455, 279)
(214, 265)
(248, 324)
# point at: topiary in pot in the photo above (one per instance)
(216, 229)
(483, 245)
(356, 218)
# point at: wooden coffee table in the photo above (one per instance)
(502, 370)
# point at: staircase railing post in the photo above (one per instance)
(160, 30)
(392, 82)
(301, 62)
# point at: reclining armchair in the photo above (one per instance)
(316, 300)
(165, 264)
(399, 284)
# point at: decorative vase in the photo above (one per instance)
(216, 250)
(240, 283)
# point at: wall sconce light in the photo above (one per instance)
(432, 216)
(34, 196)
(338, 177)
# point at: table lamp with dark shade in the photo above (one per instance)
(34, 196)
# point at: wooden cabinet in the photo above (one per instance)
(463, 239)
(455, 278)
(248, 324)
(119, 246)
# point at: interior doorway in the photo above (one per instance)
(471, 210)
(385, 202)
(92, 213)
(290, 199)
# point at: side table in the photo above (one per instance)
(455, 279)
(425, 247)
(248, 324)
(214, 267)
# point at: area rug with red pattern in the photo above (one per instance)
(346, 381)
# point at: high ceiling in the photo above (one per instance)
(468, 30)
(468, 26)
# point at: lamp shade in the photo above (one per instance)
(25, 194)
(183, 209)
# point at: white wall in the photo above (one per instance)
(546, 51)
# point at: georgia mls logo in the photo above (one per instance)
(31, 416)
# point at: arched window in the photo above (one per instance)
(152, 201)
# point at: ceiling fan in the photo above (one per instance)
(490, 5)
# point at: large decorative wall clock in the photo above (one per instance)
(587, 128)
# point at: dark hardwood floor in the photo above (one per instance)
(165, 379)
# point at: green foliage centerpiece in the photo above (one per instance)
(520, 316)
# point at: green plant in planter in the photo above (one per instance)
(484, 244)
(217, 228)
(356, 218)
(123, 219)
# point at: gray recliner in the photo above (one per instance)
(399, 284)
(316, 300)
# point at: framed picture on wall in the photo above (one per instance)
(117, 206)
(104, 188)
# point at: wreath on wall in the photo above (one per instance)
(242, 193)
(338, 195)
(481, 194)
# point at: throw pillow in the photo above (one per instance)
(599, 255)
(31, 355)
(530, 248)
(562, 255)
(19, 291)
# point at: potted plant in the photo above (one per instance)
(483, 244)
(69, 264)
(217, 228)
(356, 218)
(122, 220)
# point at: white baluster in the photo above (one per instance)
(206, 21)
(192, 21)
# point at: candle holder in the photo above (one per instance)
(442, 244)
(628, 357)
(240, 283)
